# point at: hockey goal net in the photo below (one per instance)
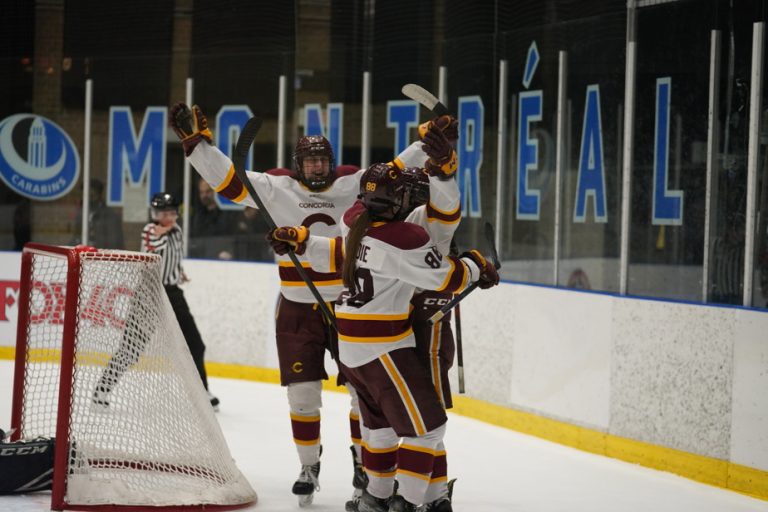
(102, 366)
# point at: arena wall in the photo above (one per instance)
(675, 386)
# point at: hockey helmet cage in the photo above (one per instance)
(314, 145)
(382, 191)
(417, 182)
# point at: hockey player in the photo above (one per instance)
(435, 199)
(314, 194)
(161, 236)
(389, 260)
(440, 217)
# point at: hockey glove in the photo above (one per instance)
(445, 170)
(293, 236)
(488, 274)
(190, 126)
(449, 125)
(442, 161)
(280, 248)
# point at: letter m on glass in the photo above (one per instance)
(136, 158)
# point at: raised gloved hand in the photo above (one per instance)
(190, 126)
(437, 145)
(489, 276)
(444, 171)
(288, 237)
(449, 125)
(442, 161)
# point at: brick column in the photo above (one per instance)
(181, 52)
(313, 39)
(49, 42)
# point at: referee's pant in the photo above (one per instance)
(188, 328)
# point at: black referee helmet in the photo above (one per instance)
(163, 202)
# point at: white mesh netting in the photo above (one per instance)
(142, 430)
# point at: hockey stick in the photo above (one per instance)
(459, 350)
(454, 251)
(430, 101)
(247, 136)
(489, 238)
(425, 98)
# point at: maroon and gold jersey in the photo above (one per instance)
(394, 259)
(441, 215)
(291, 203)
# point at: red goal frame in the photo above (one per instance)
(64, 400)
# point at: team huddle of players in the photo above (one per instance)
(375, 243)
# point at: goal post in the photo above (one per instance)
(102, 367)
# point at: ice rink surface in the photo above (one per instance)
(498, 470)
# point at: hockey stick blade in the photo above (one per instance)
(244, 141)
(490, 238)
(247, 136)
(426, 98)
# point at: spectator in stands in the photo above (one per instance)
(22, 224)
(250, 245)
(212, 228)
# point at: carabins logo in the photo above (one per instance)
(37, 158)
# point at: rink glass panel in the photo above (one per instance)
(470, 77)
(591, 219)
(529, 204)
(669, 166)
(760, 276)
(527, 195)
(323, 49)
(759, 13)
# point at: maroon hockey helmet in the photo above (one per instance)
(417, 180)
(314, 145)
(382, 191)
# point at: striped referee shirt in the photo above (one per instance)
(169, 246)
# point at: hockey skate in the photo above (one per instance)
(359, 478)
(442, 504)
(439, 505)
(353, 504)
(305, 486)
(359, 482)
(370, 503)
(399, 504)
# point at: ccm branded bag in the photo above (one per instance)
(25, 466)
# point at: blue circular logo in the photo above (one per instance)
(37, 158)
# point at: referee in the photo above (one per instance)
(163, 236)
